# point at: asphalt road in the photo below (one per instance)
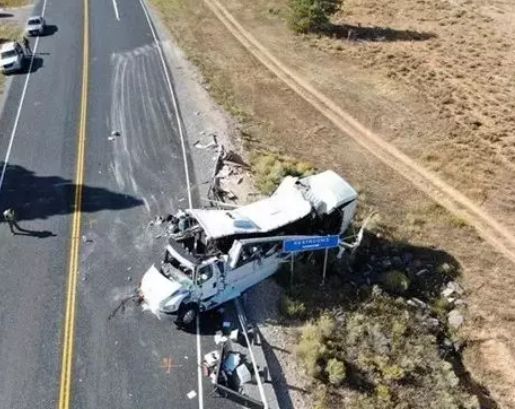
(123, 357)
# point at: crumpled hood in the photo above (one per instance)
(155, 288)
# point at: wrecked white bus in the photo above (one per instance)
(215, 255)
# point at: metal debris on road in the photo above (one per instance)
(198, 145)
(86, 240)
(234, 335)
(219, 337)
(191, 394)
(211, 358)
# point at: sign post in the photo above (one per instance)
(291, 268)
(325, 266)
(312, 243)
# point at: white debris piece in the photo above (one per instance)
(211, 144)
(191, 394)
(219, 338)
(455, 319)
(447, 292)
(234, 335)
(243, 374)
(212, 358)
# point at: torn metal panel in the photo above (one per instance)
(328, 191)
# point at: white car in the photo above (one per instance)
(12, 57)
(35, 26)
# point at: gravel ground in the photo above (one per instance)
(290, 384)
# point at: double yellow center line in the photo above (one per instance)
(73, 268)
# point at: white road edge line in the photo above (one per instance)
(187, 175)
(18, 112)
(243, 321)
(174, 101)
(115, 7)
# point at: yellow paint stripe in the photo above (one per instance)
(73, 267)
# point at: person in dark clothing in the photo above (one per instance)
(10, 218)
(26, 45)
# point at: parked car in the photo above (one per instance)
(35, 26)
(12, 57)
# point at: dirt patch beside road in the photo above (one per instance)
(272, 115)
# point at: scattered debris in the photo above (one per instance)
(157, 221)
(243, 374)
(191, 394)
(123, 303)
(234, 335)
(455, 319)
(211, 358)
(86, 239)
(212, 144)
(415, 302)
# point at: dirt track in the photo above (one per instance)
(490, 229)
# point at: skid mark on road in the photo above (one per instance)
(144, 115)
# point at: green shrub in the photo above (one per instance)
(335, 371)
(381, 344)
(326, 325)
(311, 15)
(383, 393)
(269, 170)
(441, 307)
(292, 308)
(313, 345)
(321, 397)
(395, 281)
(393, 373)
(310, 350)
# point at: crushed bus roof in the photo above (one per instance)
(294, 199)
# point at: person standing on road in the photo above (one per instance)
(26, 45)
(10, 218)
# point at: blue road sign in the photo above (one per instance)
(311, 243)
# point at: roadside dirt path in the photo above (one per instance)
(490, 229)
